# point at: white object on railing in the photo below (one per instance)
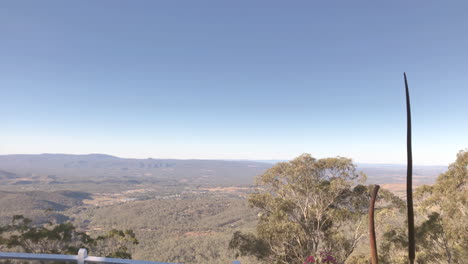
(82, 254)
(81, 258)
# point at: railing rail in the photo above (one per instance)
(81, 258)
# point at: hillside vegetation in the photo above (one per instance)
(189, 211)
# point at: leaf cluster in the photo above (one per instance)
(63, 238)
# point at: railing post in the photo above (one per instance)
(82, 254)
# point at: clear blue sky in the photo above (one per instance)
(234, 79)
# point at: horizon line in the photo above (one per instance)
(270, 161)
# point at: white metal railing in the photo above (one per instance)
(81, 258)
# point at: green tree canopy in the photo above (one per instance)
(63, 238)
(442, 232)
(307, 206)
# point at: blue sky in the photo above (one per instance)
(234, 79)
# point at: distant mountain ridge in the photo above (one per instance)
(60, 168)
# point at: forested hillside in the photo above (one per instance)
(186, 211)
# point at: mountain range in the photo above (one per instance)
(61, 168)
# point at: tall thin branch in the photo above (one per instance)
(409, 179)
(373, 242)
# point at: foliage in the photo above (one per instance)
(307, 206)
(115, 243)
(249, 244)
(63, 239)
(178, 216)
(449, 198)
(442, 235)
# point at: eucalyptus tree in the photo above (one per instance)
(446, 206)
(308, 207)
(63, 238)
(442, 228)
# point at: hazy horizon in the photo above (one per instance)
(270, 161)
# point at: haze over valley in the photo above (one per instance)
(182, 201)
(61, 169)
